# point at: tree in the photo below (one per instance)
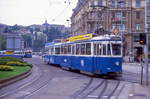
(54, 33)
(2, 43)
(27, 40)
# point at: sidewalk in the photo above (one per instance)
(133, 67)
(134, 90)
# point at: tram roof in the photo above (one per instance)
(98, 38)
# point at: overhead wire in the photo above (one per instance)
(68, 2)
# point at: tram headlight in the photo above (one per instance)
(117, 63)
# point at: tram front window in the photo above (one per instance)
(116, 49)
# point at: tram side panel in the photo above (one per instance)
(66, 61)
(46, 59)
(82, 63)
(105, 65)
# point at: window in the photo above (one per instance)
(138, 27)
(73, 51)
(108, 49)
(116, 49)
(104, 49)
(138, 15)
(69, 49)
(97, 49)
(62, 49)
(136, 38)
(52, 51)
(113, 3)
(57, 50)
(138, 3)
(77, 49)
(82, 49)
(100, 2)
(65, 49)
(88, 48)
(121, 3)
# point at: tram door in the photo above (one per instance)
(97, 57)
(102, 58)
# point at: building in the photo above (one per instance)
(15, 42)
(147, 22)
(127, 16)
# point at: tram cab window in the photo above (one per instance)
(88, 48)
(77, 49)
(82, 49)
(104, 49)
(108, 49)
(116, 49)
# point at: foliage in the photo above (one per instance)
(2, 43)
(6, 68)
(13, 63)
(27, 40)
(5, 60)
(53, 33)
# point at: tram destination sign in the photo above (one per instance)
(80, 37)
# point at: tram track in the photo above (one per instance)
(36, 84)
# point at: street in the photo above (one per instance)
(51, 82)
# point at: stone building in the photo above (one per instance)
(127, 16)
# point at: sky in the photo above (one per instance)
(28, 12)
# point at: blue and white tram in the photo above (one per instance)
(99, 55)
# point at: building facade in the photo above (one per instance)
(126, 16)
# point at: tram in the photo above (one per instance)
(97, 55)
(28, 54)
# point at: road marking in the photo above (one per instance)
(92, 96)
(105, 96)
(131, 95)
(25, 92)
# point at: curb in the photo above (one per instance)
(11, 80)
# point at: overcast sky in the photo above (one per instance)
(27, 12)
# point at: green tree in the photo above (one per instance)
(39, 42)
(27, 40)
(54, 33)
(2, 43)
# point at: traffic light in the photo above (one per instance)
(142, 40)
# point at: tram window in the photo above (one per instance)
(77, 49)
(104, 49)
(57, 50)
(116, 49)
(82, 49)
(88, 48)
(69, 49)
(99, 49)
(95, 49)
(52, 50)
(108, 49)
(65, 49)
(62, 50)
(73, 51)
